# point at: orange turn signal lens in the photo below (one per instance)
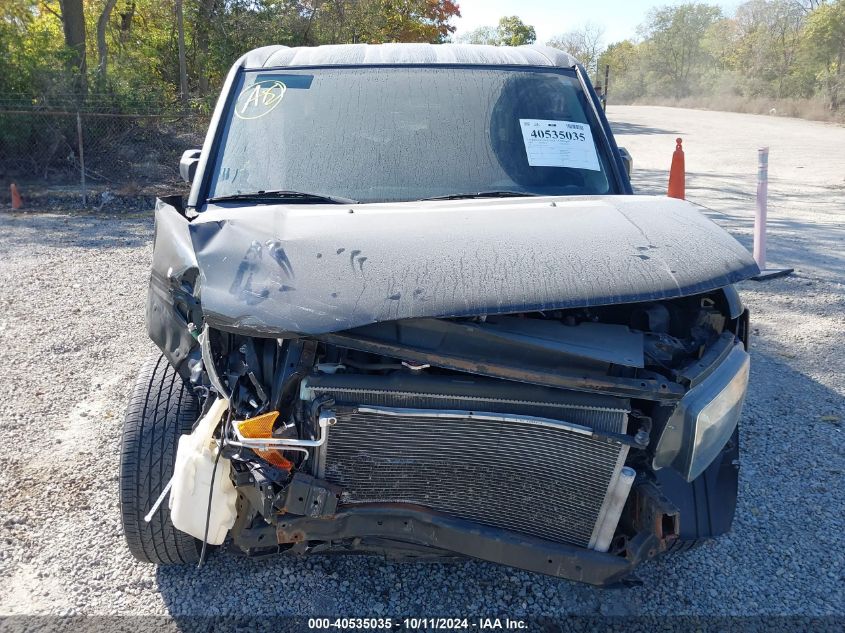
(261, 426)
(275, 458)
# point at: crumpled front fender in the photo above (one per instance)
(173, 297)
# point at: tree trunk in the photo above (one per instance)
(183, 66)
(126, 21)
(73, 23)
(201, 33)
(837, 83)
(102, 47)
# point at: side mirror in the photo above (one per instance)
(188, 164)
(627, 159)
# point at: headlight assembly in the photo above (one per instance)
(705, 418)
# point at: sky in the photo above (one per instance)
(619, 18)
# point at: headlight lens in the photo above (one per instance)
(716, 421)
(705, 418)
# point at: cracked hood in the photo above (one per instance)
(314, 269)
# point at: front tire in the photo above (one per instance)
(161, 409)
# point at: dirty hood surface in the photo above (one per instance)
(313, 269)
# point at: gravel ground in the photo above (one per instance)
(72, 337)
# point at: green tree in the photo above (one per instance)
(481, 35)
(375, 21)
(676, 38)
(627, 70)
(127, 51)
(46, 45)
(514, 32)
(722, 41)
(34, 58)
(824, 46)
(769, 34)
(511, 31)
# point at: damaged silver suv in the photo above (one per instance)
(412, 308)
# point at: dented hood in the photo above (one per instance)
(313, 269)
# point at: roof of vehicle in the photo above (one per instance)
(423, 54)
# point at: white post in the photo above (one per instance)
(762, 207)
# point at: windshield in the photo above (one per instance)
(398, 133)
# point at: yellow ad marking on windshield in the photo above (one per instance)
(259, 99)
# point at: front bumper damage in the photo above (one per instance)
(310, 516)
(309, 323)
(409, 531)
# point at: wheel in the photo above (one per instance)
(707, 504)
(161, 409)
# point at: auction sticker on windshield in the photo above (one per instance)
(259, 99)
(559, 144)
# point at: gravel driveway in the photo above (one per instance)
(72, 336)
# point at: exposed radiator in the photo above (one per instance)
(507, 468)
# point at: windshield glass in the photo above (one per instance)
(395, 133)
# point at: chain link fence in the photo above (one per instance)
(81, 155)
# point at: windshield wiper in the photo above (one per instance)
(485, 194)
(283, 195)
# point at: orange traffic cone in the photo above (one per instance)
(677, 177)
(17, 203)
